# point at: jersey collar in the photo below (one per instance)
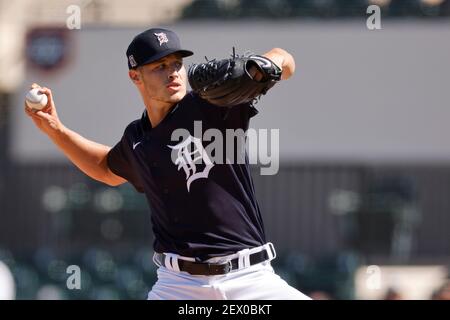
(145, 121)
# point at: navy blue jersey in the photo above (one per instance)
(201, 210)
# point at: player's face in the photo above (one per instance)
(165, 79)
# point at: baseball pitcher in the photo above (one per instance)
(209, 234)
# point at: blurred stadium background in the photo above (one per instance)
(360, 206)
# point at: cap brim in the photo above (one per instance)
(184, 53)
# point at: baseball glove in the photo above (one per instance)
(229, 82)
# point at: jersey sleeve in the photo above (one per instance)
(120, 162)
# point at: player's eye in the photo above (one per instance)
(160, 66)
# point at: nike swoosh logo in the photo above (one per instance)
(136, 144)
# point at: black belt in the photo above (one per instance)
(211, 269)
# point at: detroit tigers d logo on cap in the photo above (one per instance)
(162, 37)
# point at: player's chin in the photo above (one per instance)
(176, 96)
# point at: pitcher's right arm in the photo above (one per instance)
(88, 156)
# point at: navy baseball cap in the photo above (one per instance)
(152, 45)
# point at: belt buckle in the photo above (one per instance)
(227, 267)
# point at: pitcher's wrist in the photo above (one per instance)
(58, 133)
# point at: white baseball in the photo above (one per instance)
(36, 100)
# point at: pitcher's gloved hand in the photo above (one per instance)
(233, 81)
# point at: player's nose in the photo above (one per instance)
(174, 71)
(173, 74)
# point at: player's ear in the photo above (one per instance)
(134, 76)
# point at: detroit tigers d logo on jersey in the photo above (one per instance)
(191, 152)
